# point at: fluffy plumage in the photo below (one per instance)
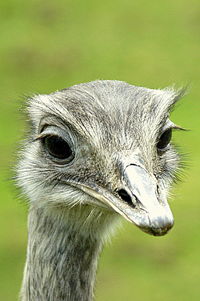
(113, 130)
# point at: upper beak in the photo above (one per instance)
(153, 213)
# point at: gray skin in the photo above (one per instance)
(115, 169)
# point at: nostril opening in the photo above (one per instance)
(157, 189)
(125, 197)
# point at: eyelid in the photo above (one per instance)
(173, 126)
(177, 127)
(48, 130)
(43, 135)
(51, 130)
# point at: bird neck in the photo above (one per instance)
(62, 254)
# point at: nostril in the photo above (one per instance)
(157, 190)
(125, 197)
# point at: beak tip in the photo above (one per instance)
(157, 231)
(160, 226)
(157, 224)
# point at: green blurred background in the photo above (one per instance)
(49, 45)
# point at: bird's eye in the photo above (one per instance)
(164, 140)
(57, 147)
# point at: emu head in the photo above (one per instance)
(106, 145)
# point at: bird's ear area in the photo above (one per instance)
(166, 100)
(41, 105)
(176, 96)
(48, 109)
(37, 106)
(44, 106)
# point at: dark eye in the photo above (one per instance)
(164, 139)
(58, 147)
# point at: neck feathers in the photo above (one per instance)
(62, 254)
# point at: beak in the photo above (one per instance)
(149, 200)
(141, 201)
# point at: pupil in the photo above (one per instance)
(164, 139)
(57, 147)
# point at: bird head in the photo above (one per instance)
(105, 144)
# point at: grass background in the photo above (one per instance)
(49, 45)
